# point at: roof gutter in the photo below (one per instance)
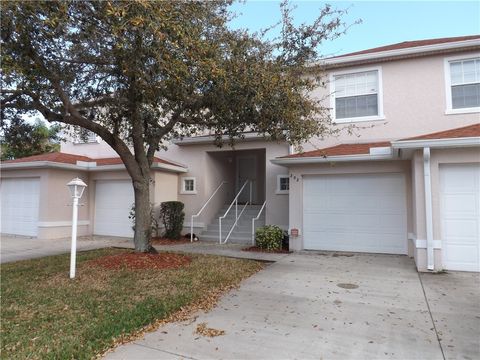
(84, 166)
(329, 159)
(40, 164)
(401, 52)
(436, 143)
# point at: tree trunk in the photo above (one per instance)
(143, 228)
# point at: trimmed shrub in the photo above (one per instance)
(172, 216)
(269, 237)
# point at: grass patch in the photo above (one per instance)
(44, 314)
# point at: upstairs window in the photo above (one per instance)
(464, 87)
(357, 96)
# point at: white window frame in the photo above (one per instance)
(448, 85)
(279, 191)
(380, 115)
(185, 191)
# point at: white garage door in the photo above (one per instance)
(113, 201)
(460, 213)
(20, 202)
(364, 213)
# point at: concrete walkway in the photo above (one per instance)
(14, 248)
(307, 306)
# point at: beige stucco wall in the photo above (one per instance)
(55, 210)
(209, 169)
(55, 203)
(438, 158)
(296, 188)
(414, 103)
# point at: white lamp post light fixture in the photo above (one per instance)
(76, 187)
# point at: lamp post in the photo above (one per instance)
(76, 187)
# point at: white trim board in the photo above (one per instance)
(422, 244)
(49, 224)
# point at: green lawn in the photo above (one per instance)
(46, 315)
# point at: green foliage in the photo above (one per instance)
(172, 215)
(22, 139)
(107, 65)
(139, 73)
(269, 237)
(153, 218)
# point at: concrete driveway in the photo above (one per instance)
(308, 306)
(14, 248)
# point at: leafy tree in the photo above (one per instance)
(22, 139)
(139, 73)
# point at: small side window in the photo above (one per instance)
(189, 185)
(283, 184)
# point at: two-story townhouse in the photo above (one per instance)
(406, 181)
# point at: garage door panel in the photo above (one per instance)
(358, 212)
(113, 202)
(20, 206)
(460, 228)
(460, 216)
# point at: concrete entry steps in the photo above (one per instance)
(242, 234)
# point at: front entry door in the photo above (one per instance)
(246, 170)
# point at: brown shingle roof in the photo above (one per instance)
(341, 150)
(53, 157)
(411, 44)
(65, 158)
(463, 132)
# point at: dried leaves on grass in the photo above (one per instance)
(135, 261)
(40, 304)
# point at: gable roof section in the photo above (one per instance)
(57, 157)
(341, 150)
(466, 136)
(73, 159)
(410, 44)
(404, 50)
(462, 132)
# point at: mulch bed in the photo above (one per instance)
(166, 241)
(257, 249)
(137, 261)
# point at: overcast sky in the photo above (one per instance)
(383, 22)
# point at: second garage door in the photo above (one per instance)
(113, 201)
(364, 213)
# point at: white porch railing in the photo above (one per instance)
(255, 219)
(235, 201)
(203, 207)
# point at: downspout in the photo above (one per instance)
(428, 207)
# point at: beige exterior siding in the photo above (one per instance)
(438, 157)
(55, 211)
(414, 103)
(211, 165)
